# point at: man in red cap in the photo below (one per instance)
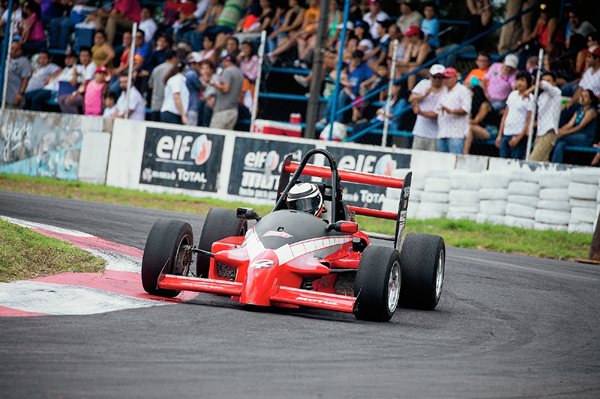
(453, 114)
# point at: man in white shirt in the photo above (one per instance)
(548, 109)
(42, 74)
(515, 121)
(453, 112)
(137, 104)
(424, 99)
(72, 103)
(147, 25)
(374, 17)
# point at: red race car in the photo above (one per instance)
(308, 252)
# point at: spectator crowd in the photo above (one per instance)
(195, 63)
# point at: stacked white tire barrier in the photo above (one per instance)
(464, 196)
(583, 194)
(522, 201)
(435, 197)
(553, 209)
(493, 193)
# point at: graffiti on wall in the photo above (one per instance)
(40, 144)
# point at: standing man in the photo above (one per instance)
(424, 99)
(19, 72)
(548, 106)
(453, 114)
(229, 88)
(137, 104)
(157, 83)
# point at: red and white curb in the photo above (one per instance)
(119, 287)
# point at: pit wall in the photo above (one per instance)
(237, 166)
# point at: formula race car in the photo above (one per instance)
(308, 252)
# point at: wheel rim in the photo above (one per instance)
(439, 276)
(394, 287)
(183, 257)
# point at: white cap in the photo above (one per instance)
(366, 43)
(437, 69)
(512, 61)
(194, 57)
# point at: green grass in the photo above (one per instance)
(25, 254)
(464, 234)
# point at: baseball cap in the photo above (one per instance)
(450, 72)
(511, 61)
(373, 2)
(101, 69)
(412, 30)
(437, 69)
(360, 24)
(194, 57)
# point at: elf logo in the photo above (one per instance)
(369, 164)
(184, 148)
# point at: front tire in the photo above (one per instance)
(423, 260)
(168, 247)
(219, 224)
(377, 284)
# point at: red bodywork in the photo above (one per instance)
(267, 277)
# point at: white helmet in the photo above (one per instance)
(305, 197)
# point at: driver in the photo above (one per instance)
(306, 197)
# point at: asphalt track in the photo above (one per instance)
(506, 326)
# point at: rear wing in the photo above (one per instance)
(291, 167)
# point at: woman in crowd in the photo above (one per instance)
(177, 96)
(483, 121)
(33, 38)
(581, 129)
(102, 52)
(291, 22)
(417, 52)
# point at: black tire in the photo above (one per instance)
(219, 224)
(164, 250)
(371, 287)
(423, 259)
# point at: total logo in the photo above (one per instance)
(182, 148)
(369, 164)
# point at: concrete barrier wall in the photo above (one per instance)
(68, 147)
(202, 162)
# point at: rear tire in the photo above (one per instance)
(377, 284)
(423, 260)
(219, 224)
(164, 250)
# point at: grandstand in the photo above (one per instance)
(212, 50)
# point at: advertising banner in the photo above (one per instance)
(40, 144)
(182, 159)
(366, 161)
(256, 165)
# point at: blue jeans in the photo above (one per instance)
(169, 117)
(453, 146)
(517, 152)
(59, 32)
(580, 139)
